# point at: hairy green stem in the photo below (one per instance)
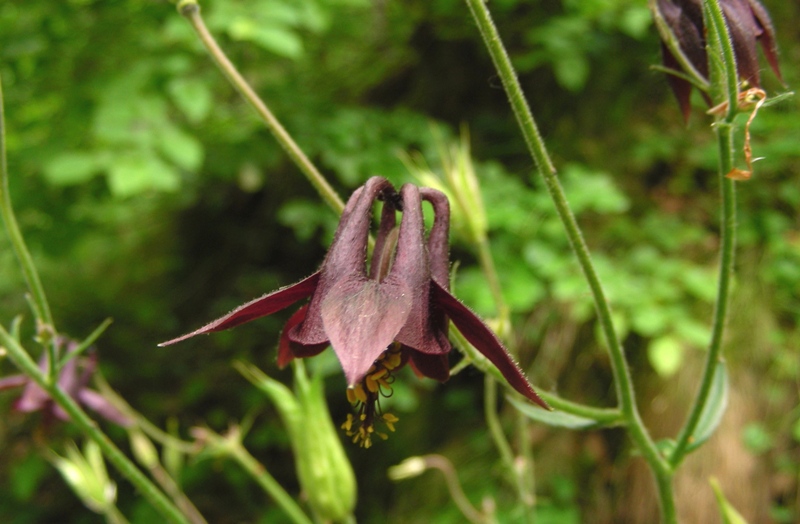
(725, 130)
(89, 428)
(44, 319)
(622, 378)
(727, 255)
(191, 11)
(730, 82)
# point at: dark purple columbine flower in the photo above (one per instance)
(748, 23)
(73, 378)
(381, 317)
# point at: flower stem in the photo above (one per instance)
(622, 379)
(727, 252)
(500, 441)
(258, 472)
(44, 319)
(725, 131)
(190, 10)
(89, 428)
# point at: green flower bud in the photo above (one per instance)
(323, 469)
(87, 476)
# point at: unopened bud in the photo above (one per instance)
(409, 468)
(87, 476)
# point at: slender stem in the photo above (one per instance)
(603, 416)
(490, 272)
(454, 487)
(89, 428)
(44, 319)
(730, 84)
(499, 438)
(522, 471)
(622, 379)
(727, 255)
(725, 131)
(256, 470)
(191, 11)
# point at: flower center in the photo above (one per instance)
(365, 398)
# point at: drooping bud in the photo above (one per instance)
(683, 31)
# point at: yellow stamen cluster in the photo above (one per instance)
(366, 397)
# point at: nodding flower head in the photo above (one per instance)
(683, 35)
(382, 315)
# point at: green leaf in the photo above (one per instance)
(193, 98)
(137, 172)
(273, 38)
(181, 148)
(558, 419)
(716, 404)
(665, 355)
(73, 168)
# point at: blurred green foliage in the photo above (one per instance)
(149, 192)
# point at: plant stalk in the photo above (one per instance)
(45, 329)
(622, 378)
(191, 11)
(725, 131)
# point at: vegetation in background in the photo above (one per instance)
(150, 193)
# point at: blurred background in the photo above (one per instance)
(150, 193)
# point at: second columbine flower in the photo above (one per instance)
(382, 315)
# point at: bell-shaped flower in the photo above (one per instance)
(379, 318)
(681, 21)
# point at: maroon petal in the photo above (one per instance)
(100, 405)
(436, 367)
(285, 354)
(346, 258)
(766, 36)
(260, 307)
(485, 341)
(362, 317)
(385, 242)
(411, 269)
(439, 237)
(742, 29)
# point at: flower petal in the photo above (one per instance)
(439, 237)
(766, 36)
(362, 317)
(288, 350)
(260, 307)
(485, 341)
(345, 260)
(13, 381)
(423, 328)
(102, 406)
(436, 367)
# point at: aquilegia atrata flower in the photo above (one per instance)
(377, 319)
(748, 22)
(73, 378)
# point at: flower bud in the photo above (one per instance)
(323, 469)
(87, 476)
